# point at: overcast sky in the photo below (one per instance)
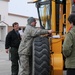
(21, 7)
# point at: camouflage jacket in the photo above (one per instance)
(29, 34)
(69, 48)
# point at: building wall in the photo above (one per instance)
(0, 33)
(3, 31)
(10, 28)
(8, 18)
(4, 10)
(14, 18)
(22, 20)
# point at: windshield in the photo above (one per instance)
(44, 12)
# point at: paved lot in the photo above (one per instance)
(3, 54)
(5, 64)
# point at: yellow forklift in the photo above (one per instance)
(47, 51)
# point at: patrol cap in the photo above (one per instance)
(30, 20)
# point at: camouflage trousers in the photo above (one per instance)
(25, 65)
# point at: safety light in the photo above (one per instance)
(73, 1)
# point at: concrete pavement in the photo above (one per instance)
(5, 64)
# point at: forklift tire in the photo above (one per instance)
(41, 56)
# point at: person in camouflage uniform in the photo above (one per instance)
(69, 47)
(25, 46)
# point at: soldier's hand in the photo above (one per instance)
(50, 31)
(7, 50)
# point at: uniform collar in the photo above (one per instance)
(73, 28)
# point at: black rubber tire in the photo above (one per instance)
(41, 56)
